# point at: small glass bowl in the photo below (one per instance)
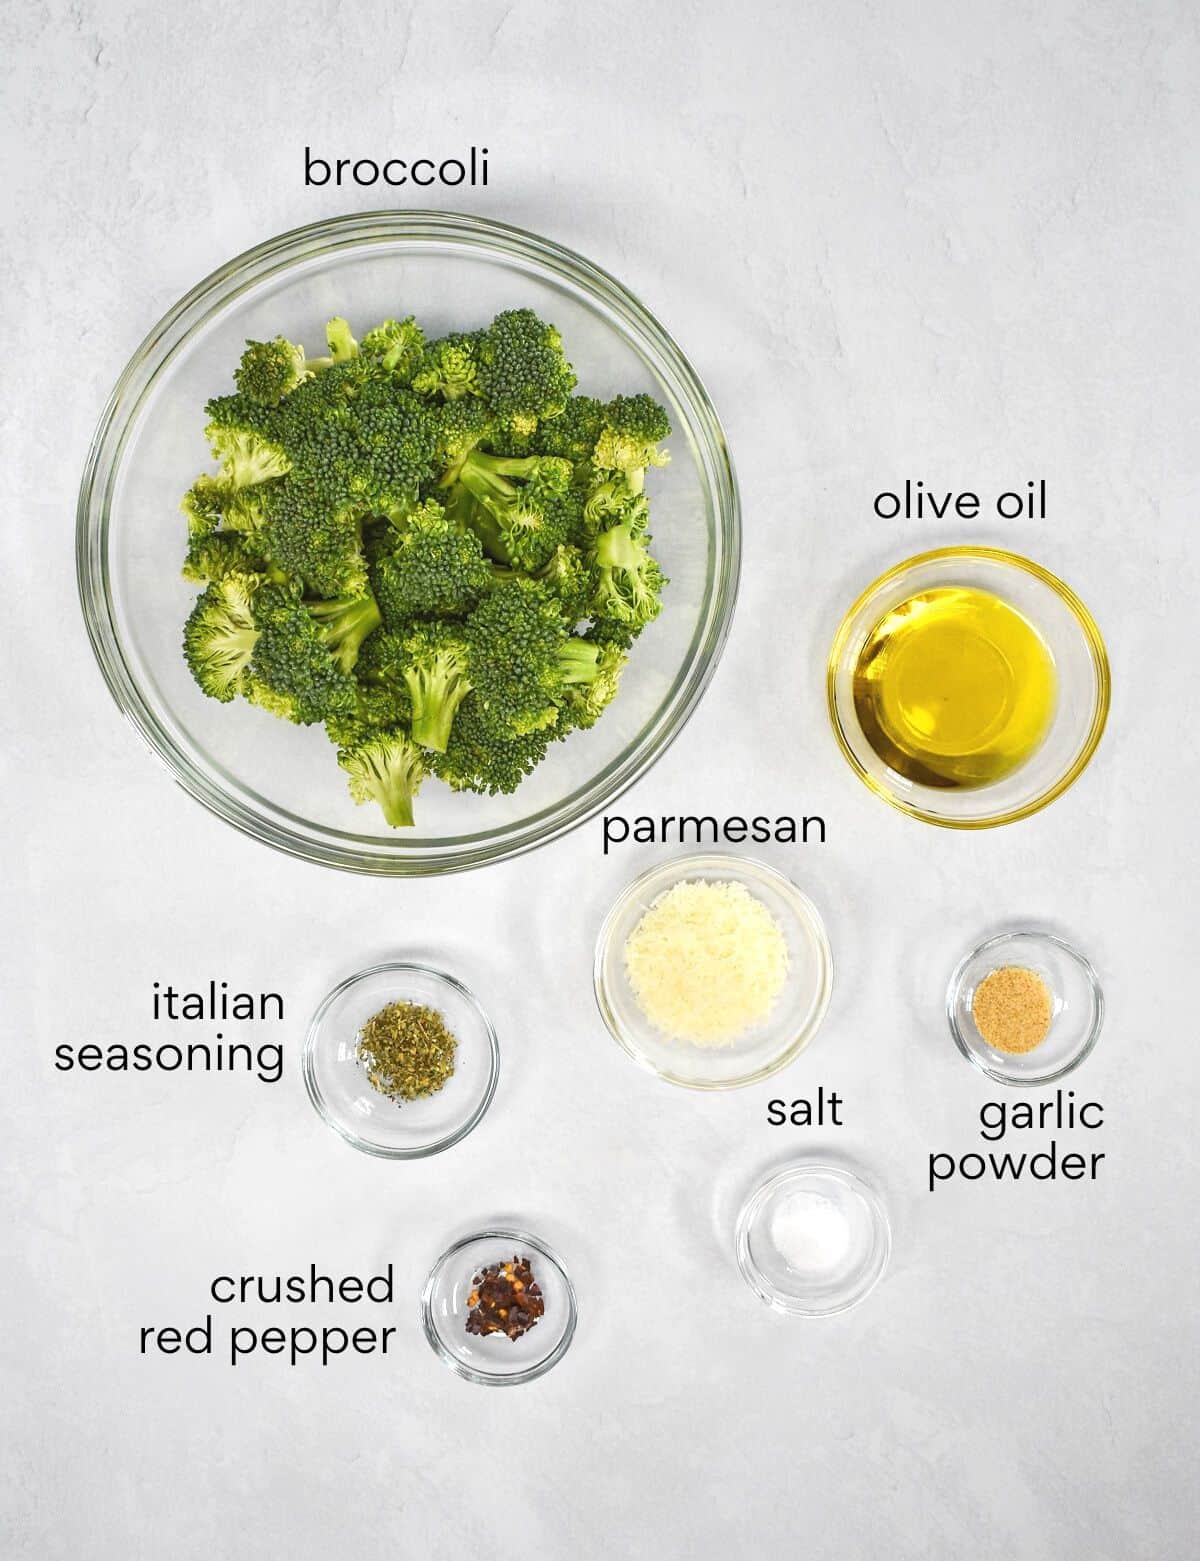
(1077, 1011)
(495, 1360)
(1081, 668)
(338, 1086)
(823, 1289)
(767, 1047)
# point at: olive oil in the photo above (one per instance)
(954, 688)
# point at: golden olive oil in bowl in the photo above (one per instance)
(954, 687)
(968, 686)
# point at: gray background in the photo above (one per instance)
(936, 240)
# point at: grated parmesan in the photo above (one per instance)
(707, 962)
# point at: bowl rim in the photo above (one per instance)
(292, 834)
(734, 864)
(1033, 935)
(796, 1170)
(472, 1373)
(317, 1098)
(1092, 637)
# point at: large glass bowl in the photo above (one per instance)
(279, 782)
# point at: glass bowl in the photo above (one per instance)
(1082, 694)
(845, 1224)
(494, 1360)
(279, 782)
(341, 1092)
(1077, 1007)
(766, 1048)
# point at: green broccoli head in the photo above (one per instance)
(397, 345)
(433, 569)
(522, 373)
(316, 542)
(479, 758)
(292, 672)
(634, 427)
(514, 637)
(629, 580)
(571, 580)
(269, 370)
(219, 554)
(594, 687)
(573, 434)
(459, 426)
(345, 623)
(221, 635)
(523, 507)
(386, 768)
(342, 345)
(449, 368)
(437, 675)
(247, 458)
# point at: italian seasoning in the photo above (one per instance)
(407, 1051)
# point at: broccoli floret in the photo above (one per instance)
(571, 580)
(629, 579)
(477, 758)
(377, 707)
(292, 672)
(523, 506)
(220, 636)
(436, 673)
(434, 569)
(634, 427)
(270, 369)
(342, 346)
(458, 427)
(247, 458)
(573, 433)
(317, 544)
(450, 367)
(220, 554)
(587, 697)
(397, 437)
(345, 623)
(513, 639)
(398, 345)
(386, 768)
(522, 373)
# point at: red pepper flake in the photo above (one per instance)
(505, 1298)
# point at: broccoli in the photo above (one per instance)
(292, 671)
(398, 344)
(342, 346)
(513, 639)
(219, 554)
(437, 674)
(269, 370)
(630, 581)
(522, 522)
(220, 636)
(450, 367)
(634, 427)
(478, 759)
(433, 569)
(386, 768)
(345, 623)
(436, 550)
(522, 373)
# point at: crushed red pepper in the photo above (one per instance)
(505, 1298)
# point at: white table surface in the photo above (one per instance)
(937, 240)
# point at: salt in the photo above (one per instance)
(810, 1232)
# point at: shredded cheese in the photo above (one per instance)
(706, 962)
